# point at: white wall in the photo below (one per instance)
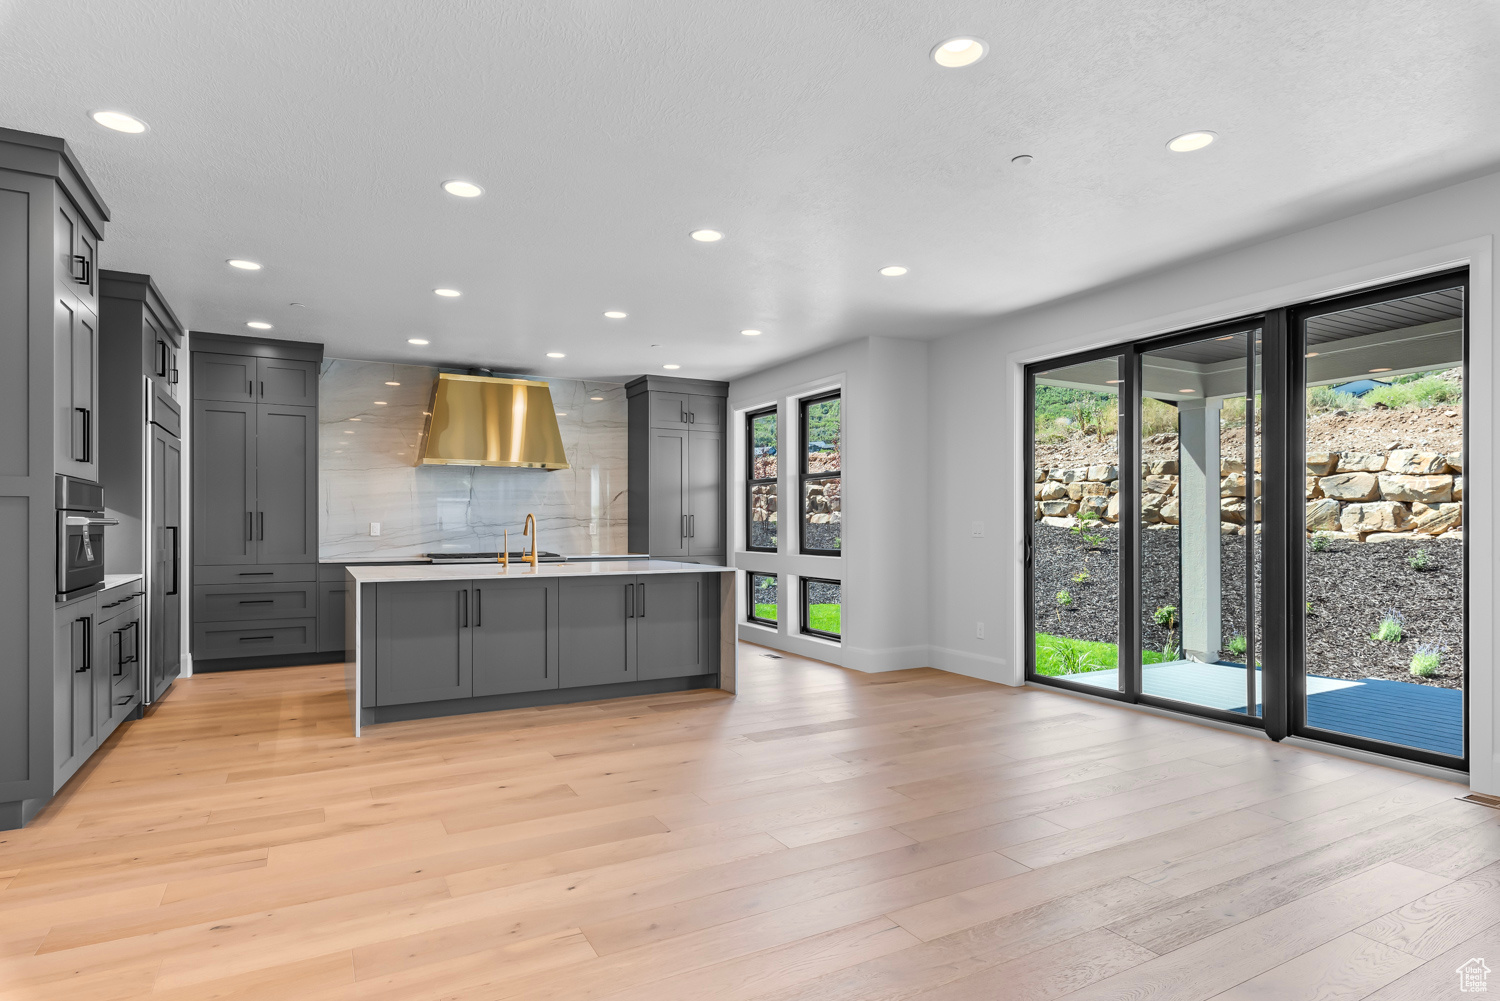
(975, 448)
(883, 565)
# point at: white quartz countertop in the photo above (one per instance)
(118, 579)
(419, 558)
(520, 571)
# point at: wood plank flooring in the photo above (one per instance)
(824, 835)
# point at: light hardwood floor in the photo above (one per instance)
(824, 835)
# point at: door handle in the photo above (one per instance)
(161, 359)
(463, 608)
(83, 270)
(176, 560)
(86, 661)
(249, 526)
(630, 601)
(682, 532)
(258, 601)
(640, 597)
(82, 419)
(247, 639)
(478, 607)
(262, 390)
(692, 526)
(692, 417)
(262, 516)
(117, 647)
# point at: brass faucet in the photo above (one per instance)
(530, 529)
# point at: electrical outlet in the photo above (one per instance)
(976, 530)
(979, 630)
(374, 528)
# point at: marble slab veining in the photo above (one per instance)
(367, 454)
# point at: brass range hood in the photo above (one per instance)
(478, 420)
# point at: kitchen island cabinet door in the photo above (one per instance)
(422, 639)
(598, 629)
(670, 626)
(515, 636)
(223, 483)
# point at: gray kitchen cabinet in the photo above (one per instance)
(163, 342)
(331, 615)
(227, 378)
(705, 494)
(286, 382)
(164, 582)
(74, 726)
(676, 484)
(75, 389)
(254, 638)
(125, 646)
(597, 631)
(286, 484)
(514, 635)
(671, 638)
(224, 473)
(51, 223)
(423, 644)
(241, 602)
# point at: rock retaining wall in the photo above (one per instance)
(1363, 497)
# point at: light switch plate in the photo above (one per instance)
(374, 528)
(976, 530)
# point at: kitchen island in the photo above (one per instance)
(437, 640)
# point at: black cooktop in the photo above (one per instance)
(484, 557)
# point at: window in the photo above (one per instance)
(822, 506)
(822, 607)
(762, 598)
(760, 479)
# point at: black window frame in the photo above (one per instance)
(750, 615)
(803, 476)
(805, 614)
(751, 482)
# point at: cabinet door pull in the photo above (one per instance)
(256, 573)
(249, 528)
(478, 607)
(247, 639)
(161, 359)
(682, 532)
(630, 601)
(250, 388)
(692, 526)
(262, 515)
(257, 601)
(83, 270)
(86, 661)
(463, 608)
(117, 651)
(173, 380)
(82, 419)
(640, 597)
(692, 417)
(262, 390)
(176, 559)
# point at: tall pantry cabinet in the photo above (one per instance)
(51, 223)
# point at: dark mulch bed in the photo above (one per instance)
(1351, 585)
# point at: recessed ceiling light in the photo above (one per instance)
(463, 189)
(243, 265)
(596, 398)
(447, 293)
(120, 122)
(560, 413)
(672, 366)
(1189, 141)
(299, 305)
(556, 354)
(1022, 160)
(356, 418)
(1226, 337)
(380, 403)
(706, 235)
(393, 384)
(1113, 382)
(1185, 390)
(258, 325)
(348, 432)
(1311, 354)
(418, 340)
(959, 52)
(893, 271)
(1379, 370)
(614, 314)
(750, 333)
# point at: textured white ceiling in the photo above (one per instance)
(312, 135)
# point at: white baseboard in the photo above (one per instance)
(901, 658)
(974, 665)
(185, 666)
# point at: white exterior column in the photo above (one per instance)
(1198, 507)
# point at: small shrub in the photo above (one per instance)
(1323, 399)
(1427, 390)
(1166, 617)
(1065, 599)
(1427, 659)
(1238, 645)
(1309, 608)
(1319, 544)
(1157, 418)
(1389, 630)
(1420, 560)
(1081, 577)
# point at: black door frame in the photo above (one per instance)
(1283, 462)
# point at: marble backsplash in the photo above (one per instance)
(367, 453)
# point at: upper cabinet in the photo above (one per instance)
(286, 382)
(246, 378)
(75, 389)
(677, 470)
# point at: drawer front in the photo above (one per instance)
(121, 601)
(238, 602)
(331, 595)
(265, 573)
(254, 639)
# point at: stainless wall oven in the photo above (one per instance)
(80, 537)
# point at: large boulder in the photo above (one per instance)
(1458, 488)
(1427, 489)
(1232, 509)
(1060, 522)
(1169, 511)
(1103, 473)
(1058, 508)
(1164, 467)
(1313, 490)
(1075, 490)
(1052, 490)
(1095, 503)
(1350, 486)
(1378, 516)
(1415, 463)
(1063, 475)
(1361, 462)
(1092, 489)
(1321, 463)
(1232, 485)
(1227, 466)
(1439, 519)
(1323, 515)
(1159, 484)
(1151, 508)
(1112, 512)
(1456, 461)
(1040, 475)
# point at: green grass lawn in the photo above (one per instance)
(824, 618)
(1057, 655)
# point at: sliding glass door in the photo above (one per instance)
(1261, 522)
